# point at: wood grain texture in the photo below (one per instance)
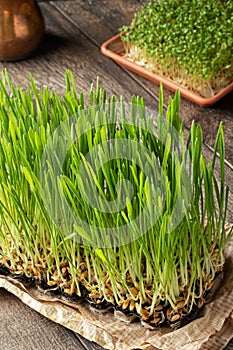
(100, 21)
(65, 47)
(229, 346)
(22, 328)
(74, 31)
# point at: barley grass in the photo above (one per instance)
(160, 275)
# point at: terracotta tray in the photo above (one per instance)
(114, 49)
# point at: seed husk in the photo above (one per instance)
(134, 291)
(175, 318)
(180, 305)
(125, 304)
(64, 264)
(63, 271)
(94, 295)
(51, 283)
(158, 308)
(149, 292)
(155, 320)
(119, 286)
(72, 267)
(68, 291)
(138, 308)
(156, 314)
(57, 279)
(200, 303)
(144, 314)
(131, 305)
(136, 285)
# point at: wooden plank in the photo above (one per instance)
(229, 346)
(67, 47)
(87, 344)
(82, 13)
(100, 21)
(22, 328)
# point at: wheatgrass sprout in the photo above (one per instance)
(188, 41)
(53, 215)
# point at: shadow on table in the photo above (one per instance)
(49, 43)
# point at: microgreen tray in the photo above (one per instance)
(114, 49)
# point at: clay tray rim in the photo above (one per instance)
(113, 48)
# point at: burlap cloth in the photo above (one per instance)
(212, 330)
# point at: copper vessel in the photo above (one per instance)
(21, 28)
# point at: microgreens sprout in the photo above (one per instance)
(190, 42)
(155, 271)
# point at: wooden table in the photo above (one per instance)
(75, 30)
